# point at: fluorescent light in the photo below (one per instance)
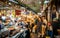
(13, 1)
(46, 2)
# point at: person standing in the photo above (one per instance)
(3, 17)
(44, 24)
(1, 24)
(44, 20)
(55, 26)
(39, 26)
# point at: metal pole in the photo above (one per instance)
(48, 14)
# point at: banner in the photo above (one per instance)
(18, 12)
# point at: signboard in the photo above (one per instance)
(17, 12)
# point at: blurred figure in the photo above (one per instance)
(39, 26)
(36, 20)
(59, 23)
(55, 26)
(3, 17)
(43, 30)
(8, 22)
(27, 32)
(54, 12)
(50, 30)
(44, 20)
(43, 26)
(1, 24)
(21, 23)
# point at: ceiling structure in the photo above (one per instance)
(36, 5)
(33, 4)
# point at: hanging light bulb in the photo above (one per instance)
(39, 2)
(9, 3)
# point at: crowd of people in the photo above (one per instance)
(33, 22)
